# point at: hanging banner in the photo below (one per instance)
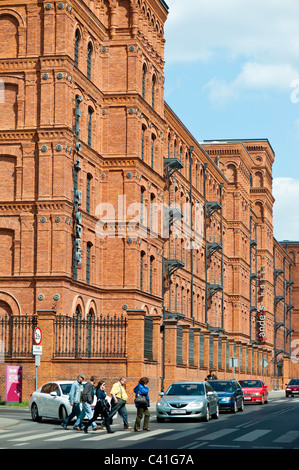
(261, 325)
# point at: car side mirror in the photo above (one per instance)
(161, 394)
(53, 394)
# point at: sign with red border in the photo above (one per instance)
(37, 335)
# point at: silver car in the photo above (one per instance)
(188, 400)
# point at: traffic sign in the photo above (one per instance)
(264, 362)
(37, 350)
(37, 335)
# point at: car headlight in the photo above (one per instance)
(196, 404)
(162, 403)
(256, 394)
(226, 399)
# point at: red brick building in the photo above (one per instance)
(91, 160)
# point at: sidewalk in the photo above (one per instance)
(7, 423)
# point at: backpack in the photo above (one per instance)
(87, 394)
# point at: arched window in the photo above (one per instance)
(88, 257)
(90, 113)
(9, 37)
(153, 91)
(88, 184)
(152, 258)
(77, 43)
(142, 255)
(143, 80)
(153, 150)
(89, 55)
(142, 191)
(152, 211)
(142, 142)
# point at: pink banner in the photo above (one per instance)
(13, 384)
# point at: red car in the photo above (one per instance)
(292, 388)
(255, 391)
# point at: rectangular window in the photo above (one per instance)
(179, 345)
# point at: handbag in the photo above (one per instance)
(141, 400)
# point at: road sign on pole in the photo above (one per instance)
(37, 350)
(37, 335)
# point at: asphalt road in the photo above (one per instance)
(271, 426)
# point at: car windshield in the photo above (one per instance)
(250, 383)
(222, 386)
(294, 382)
(185, 389)
(65, 388)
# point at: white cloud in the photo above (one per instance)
(253, 77)
(286, 219)
(263, 36)
(195, 30)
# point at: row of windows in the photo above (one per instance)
(89, 54)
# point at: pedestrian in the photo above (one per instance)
(87, 400)
(142, 390)
(119, 400)
(211, 376)
(75, 400)
(101, 408)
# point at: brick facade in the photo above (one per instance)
(85, 135)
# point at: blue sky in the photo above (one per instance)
(232, 72)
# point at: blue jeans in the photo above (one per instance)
(120, 407)
(86, 411)
(76, 410)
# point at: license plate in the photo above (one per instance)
(178, 412)
(247, 398)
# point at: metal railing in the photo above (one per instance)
(91, 337)
(16, 335)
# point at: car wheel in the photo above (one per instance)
(62, 413)
(34, 413)
(207, 416)
(242, 406)
(235, 408)
(216, 415)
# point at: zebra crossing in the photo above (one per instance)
(197, 437)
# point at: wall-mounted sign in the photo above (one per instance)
(261, 325)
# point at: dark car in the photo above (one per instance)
(292, 388)
(230, 394)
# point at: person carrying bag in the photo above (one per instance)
(142, 404)
(101, 408)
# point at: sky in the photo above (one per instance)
(232, 72)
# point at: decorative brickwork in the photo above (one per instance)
(109, 205)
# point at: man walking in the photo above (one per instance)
(75, 400)
(119, 400)
(87, 400)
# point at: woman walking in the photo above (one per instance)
(100, 408)
(142, 404)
